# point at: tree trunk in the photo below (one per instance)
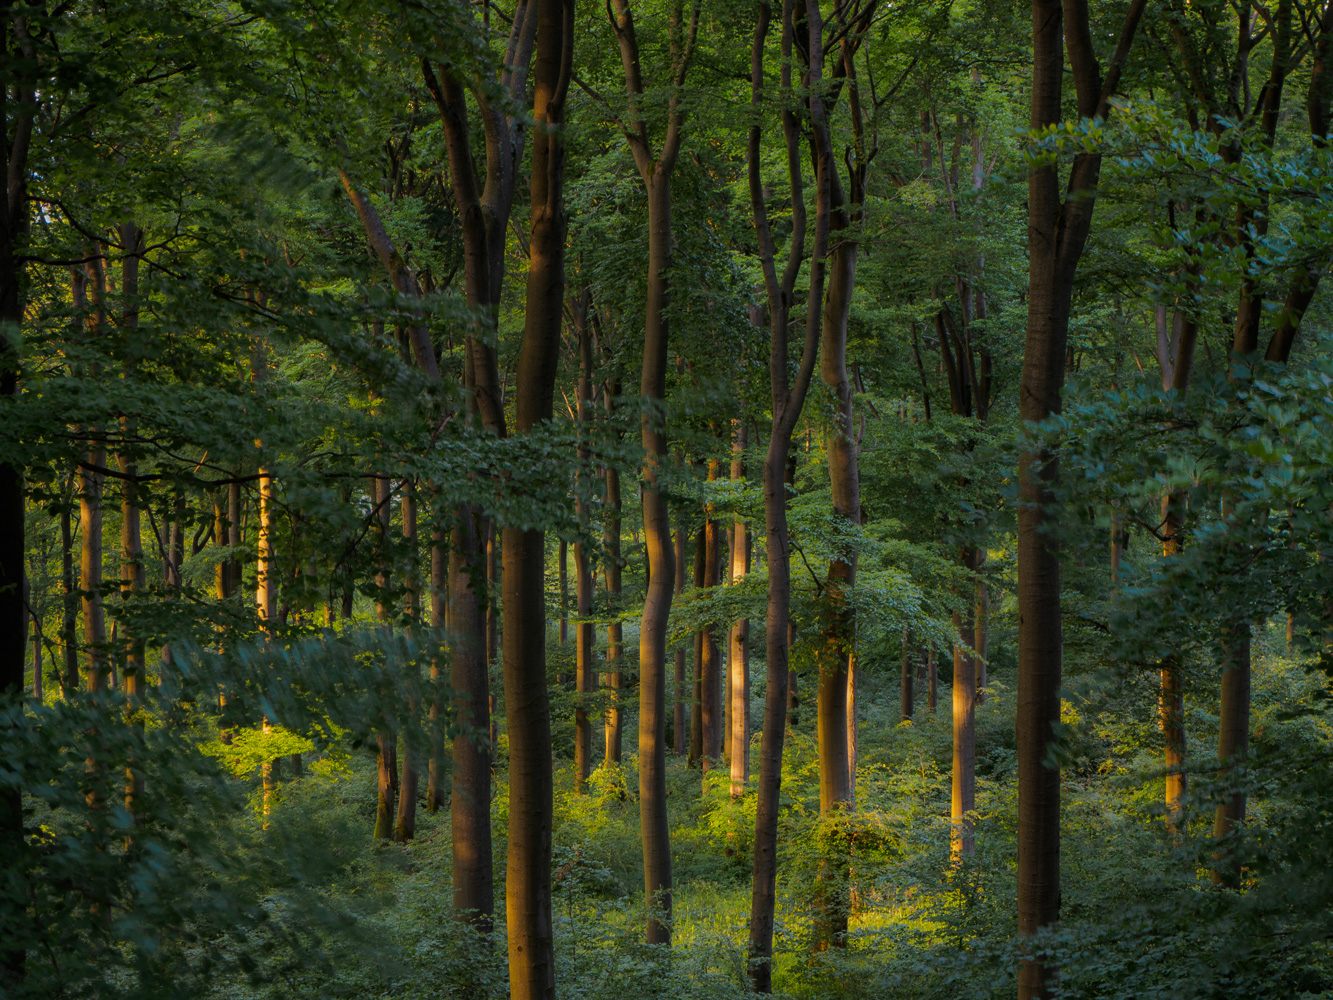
(661, 565)
(266, 602)
(697, 695)
(522, 570)
(1058, 229)
(710, 672)
(932, 678)
(1233, 743)
(386, 770)
(961, 842)
(738, 659)
(680, 726)
(1171, 696)
(905, 686)
(69, 641)
(614, 630)
(585, 676)
(405, 823)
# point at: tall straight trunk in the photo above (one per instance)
(710, 667)
(132, 571)
(1058, 229)
(981, 632)
(386, 758)
(492, 557)
(697, 691)
(585, 676)
(266, 600)
(680, 726)
(405, 823)
(788, 398)
(963, 802)
(16, 120)
(932, 678)
(38, 694)
(563, 564)
(531, 807)
(614, 630)
(738, 658)
(131, 583)
(655, 173)
(905, 685)
(69, 639)
(1171, 695)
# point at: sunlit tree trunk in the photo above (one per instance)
(710, 666)
(738, 659)
(528, 873)
(680, 724)
(614, 629)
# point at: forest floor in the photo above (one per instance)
(921, 926)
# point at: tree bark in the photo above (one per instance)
(614, 630)
(527, 710)
(405, 823)
(1057, 233)
(738, 659)
(710, 668)
(680, 726)
(905, 686)
(788, 397)
(961, 841)
(655, 172)
(585, 675)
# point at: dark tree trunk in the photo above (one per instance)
(1057, 233)
(585, 676)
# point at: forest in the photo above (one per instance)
(666, 498)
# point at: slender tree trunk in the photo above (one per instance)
(710, 669)
(405, 824)
(585, 676)
(981, 631)
(738, 659)
(69, 642)
(266, 600)
(680, 726)
(563, 563)
(905, 685)
(37, 693)
(1171, 696)
(386, 758)
(961, 841)
(614, 630)
(697, 695)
